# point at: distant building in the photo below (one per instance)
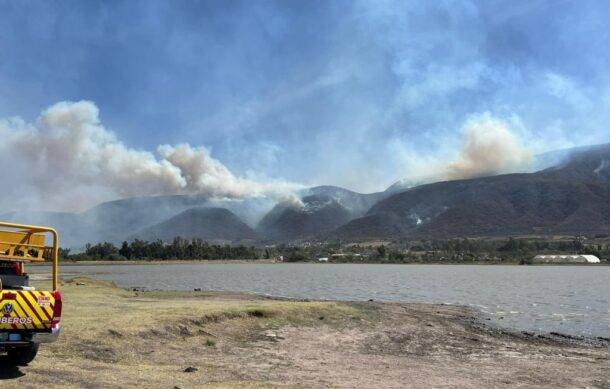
(323, 259)
(566, 259)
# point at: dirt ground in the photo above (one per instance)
(117, 339)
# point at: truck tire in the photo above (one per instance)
(22, 356)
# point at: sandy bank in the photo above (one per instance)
(117, 338)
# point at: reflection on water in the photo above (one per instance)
(568, 299)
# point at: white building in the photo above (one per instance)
(323, 259)
(566, 259)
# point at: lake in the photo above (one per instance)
(568, 299)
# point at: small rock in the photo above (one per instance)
(429, 325)
(190, 369)
(371, 300)
(197, 289)
(321, 318)
(138, 289)
(80, 283)
(272, 335)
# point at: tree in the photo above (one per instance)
(64, 253)
(126, 250)
(104, 250)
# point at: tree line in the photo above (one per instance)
(424, 251)
(178, 249)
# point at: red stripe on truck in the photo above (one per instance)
(32, 308)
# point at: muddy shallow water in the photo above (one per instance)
(567, 299)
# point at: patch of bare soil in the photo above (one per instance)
(423, 346)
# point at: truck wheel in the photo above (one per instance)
(23, 355)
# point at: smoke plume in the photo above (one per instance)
(489, 147)
(67, 160)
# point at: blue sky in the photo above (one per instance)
(353, 93)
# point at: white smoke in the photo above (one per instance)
(603, 165)
(293, 202)
(67, 160)
(489, 147)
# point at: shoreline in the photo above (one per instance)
(477, 322)
(113, 337)
(476, 319)
(270, 261)
(524, 321)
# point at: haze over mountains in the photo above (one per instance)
(207, 223)
(571, 197)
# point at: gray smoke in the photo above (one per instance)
(67, 160)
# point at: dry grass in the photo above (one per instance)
(117, 338)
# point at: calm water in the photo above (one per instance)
(567, 299)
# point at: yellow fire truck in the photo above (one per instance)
(27, 317)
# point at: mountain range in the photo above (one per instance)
(572, 196)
